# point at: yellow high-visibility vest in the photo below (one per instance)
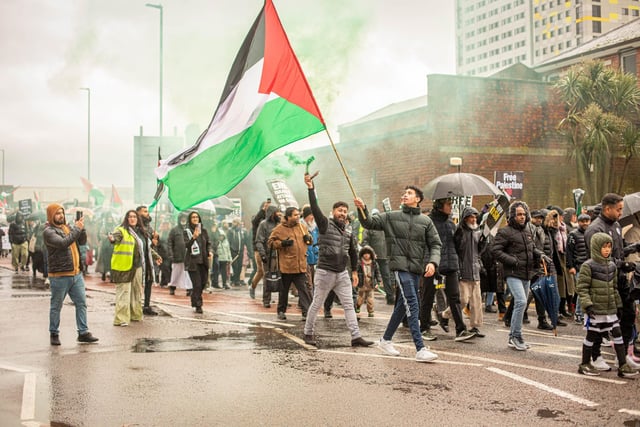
(122, 259)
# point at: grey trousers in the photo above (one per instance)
(340, 283)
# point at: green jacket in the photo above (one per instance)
(412, 239)
(597, 281)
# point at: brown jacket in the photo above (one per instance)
(291, 259)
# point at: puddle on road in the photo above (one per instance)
(256, 338)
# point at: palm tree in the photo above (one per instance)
(602, 107)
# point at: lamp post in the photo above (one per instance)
(88, 131)
(159, 7)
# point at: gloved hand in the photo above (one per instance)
(590, 312)
(546, 259)
(287, 242)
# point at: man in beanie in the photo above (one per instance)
(65, 272)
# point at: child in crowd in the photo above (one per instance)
(600, 301)
(368, 278)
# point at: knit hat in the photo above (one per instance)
(306, 211)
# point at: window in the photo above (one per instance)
(635, 12)
(568, 43)
(597, 27)
(625, 11)
(629, 62)
(596, 11)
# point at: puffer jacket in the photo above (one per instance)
(176, 246)
(337, 244)
(62, 247)
(467, 244)
(412, 238)
(576, 249)
(597, 281)
(514, 246)
(264, 230)
(449, 262)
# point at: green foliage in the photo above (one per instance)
(602, 108)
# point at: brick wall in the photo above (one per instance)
(493, 124)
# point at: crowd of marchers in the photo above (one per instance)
(430, 268)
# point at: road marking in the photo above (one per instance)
(295, 339)
(535, 368)
(411, 359)
(630, 411)
(28, 397)
(254, 320)
(543, 387)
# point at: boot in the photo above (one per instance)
(172, 290)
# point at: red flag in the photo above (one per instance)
(116, 201)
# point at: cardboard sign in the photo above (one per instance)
(281, 194)
(511, 183)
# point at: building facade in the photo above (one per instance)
(495, 34)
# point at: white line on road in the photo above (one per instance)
(630, 411)
(543, 387)
(28, 397)
(410, 359)
(535, 368)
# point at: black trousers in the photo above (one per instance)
(452, 290)
(198, 279)
(300, 282)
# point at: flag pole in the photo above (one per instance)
(344, 171)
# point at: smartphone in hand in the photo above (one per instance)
(78, 215)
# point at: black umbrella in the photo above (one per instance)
(630, 208)
(546, 290)
(460, 184)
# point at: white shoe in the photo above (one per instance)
(424, 355)
(632, 363)
(600, 364)
(387, 347)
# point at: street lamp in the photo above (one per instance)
(88, 131)
(159, 7)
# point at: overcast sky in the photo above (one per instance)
(358, 55)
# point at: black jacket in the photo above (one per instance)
(176, 244)
(449, 262)
(59, 247)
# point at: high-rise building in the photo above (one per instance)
(494, 34)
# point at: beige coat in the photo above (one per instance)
(291, 259)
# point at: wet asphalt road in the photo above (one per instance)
(237, 365)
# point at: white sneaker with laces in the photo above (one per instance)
(387, 347)
(424, 355)
(632, 364)
(600, 364)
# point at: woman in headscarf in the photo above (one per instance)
(127, 268)
(198, 254)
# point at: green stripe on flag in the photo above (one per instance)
(280, 123)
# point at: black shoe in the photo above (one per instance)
(526, 321)
(328, 315)
(490, 309)
(87, 337)
(266, 305)
(561, 323)
(172, 290)
(507, 323)
(188, 292)
(545, 326)
(477, 332)
(104, 277)
(149, 311)
(199, 310)
(360, 342)
(226, 287)
(310, 340)
(445, 326)
(282, 316)
(55, 339)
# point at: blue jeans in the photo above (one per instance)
(409, 283)
(74, 287)
(519, 290)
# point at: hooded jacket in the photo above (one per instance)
(412, 239)
(62, 245)
(597, 281)
(467, 245)
(18, 230)
(176, 246)
(514, 246)
(196, 250)
(376, 277)
(291, 259)
(264, 230)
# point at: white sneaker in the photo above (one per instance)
(387, 347)
(600, 364)
(424, 355)
(632, 363)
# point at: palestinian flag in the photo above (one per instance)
(266, 104)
